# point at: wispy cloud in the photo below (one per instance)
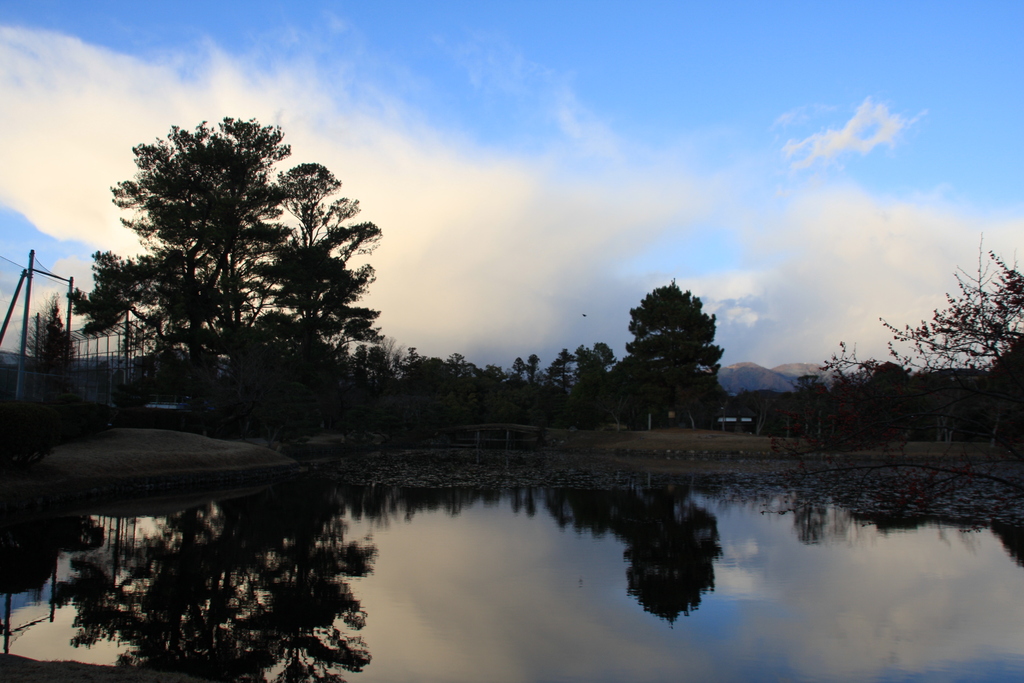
(801, 115)
(497, 69)
(492, 64)
(591, 135)
(872, 125)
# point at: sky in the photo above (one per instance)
(806, 169)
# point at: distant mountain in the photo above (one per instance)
(796, 370)
(753, 377)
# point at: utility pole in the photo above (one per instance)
(26, 276)
(14, 302)
(19, 392)
(67, 330)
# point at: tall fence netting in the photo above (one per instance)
(98, 363)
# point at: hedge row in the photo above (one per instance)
(82, 418)
(159, 418)
(28, 432)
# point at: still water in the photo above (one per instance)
(309, 580)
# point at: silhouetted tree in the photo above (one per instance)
(672, 356)
(222, 274)
(560, 373)
(315, 289)
(597, 396)
(205, 209)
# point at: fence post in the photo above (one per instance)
(14, 302)
(67, 349)
(20, 390)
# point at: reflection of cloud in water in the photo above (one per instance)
(909, 600)
(491, 596)
(738, 583)
(744, 550)
(48, 641)
(824, 597)
(465, 588)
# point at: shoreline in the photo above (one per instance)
(126, 463)
(736, 476)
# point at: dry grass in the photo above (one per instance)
(21, 670)
(664, 439)
(706, 441)
(125, 454)
(678, 451)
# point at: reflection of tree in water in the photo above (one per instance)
(1012, 538)
(671, 542)
(28, 558)
(29, 551)
(383, 503)
(246, 589)
(821, 523)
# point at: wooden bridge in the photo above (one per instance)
(509, 437)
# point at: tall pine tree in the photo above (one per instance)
(672, 357)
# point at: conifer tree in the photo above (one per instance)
(672, 357)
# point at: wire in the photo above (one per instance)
(37, 266)
(41, 269)
(12, 262)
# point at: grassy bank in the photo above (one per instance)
(124, 462)
(21, 670)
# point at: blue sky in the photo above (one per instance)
(804, 168)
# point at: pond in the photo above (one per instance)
(310, 580)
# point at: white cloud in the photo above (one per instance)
(488, 253)
(871, 125)
(833, 261)
(580, 125)
(481, 250)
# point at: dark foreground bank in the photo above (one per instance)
(125, 463)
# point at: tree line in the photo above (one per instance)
(248, 291)
(247, 297)
(670, 369)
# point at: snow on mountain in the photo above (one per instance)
(796, 370)
(753, 377)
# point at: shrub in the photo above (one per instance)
(28, 432)
(159, 418)
(288, 412)
(82, 418)
(131, 395)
